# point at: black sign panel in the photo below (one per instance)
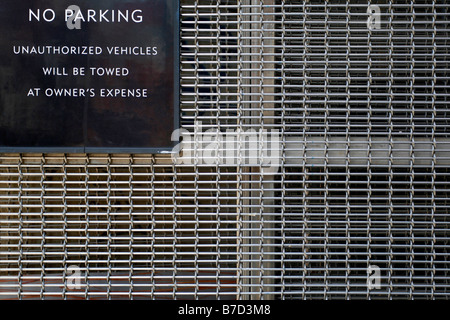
(88, 76)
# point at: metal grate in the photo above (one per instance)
(362, 181)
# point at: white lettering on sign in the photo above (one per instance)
(48, 15)
(74, 15)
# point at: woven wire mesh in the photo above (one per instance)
(362, 115)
